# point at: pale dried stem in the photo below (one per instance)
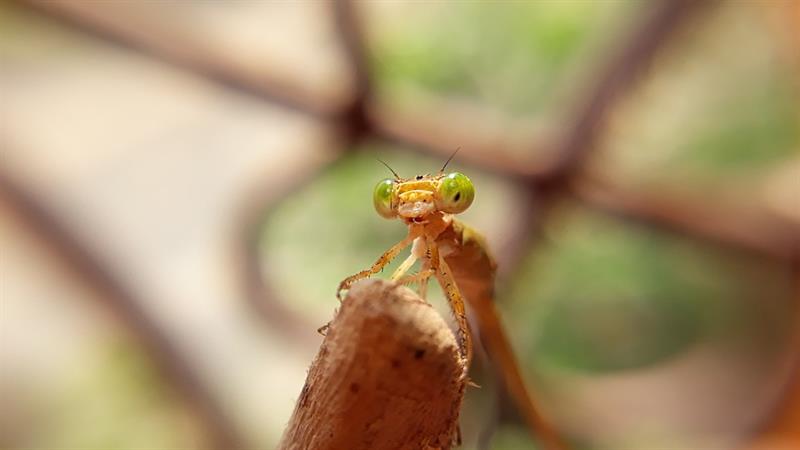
(387, 376)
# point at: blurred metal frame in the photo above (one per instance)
(363, 117)
(80, 259)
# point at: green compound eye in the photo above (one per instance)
(456, 193)
(382, 198)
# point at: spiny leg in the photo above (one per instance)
(456, 301)
(423, 284)
(385, 258)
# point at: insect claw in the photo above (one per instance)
(323, 330)
(468, 381)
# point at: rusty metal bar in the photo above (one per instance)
(128, 26)
(354, 119)
(743, 230)
(617, 78)
(423, 130)
(124, 303)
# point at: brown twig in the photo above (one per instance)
(387, 376)
(161, 349)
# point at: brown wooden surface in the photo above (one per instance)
(387, 376)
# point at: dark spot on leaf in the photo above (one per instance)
(354, 388)
(395, 363)
(457, 196)
(419, 353)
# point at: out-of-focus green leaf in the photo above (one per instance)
(753, 128)
(605, 296)
(117, 403)
(510, 55)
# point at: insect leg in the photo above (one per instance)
(404, 266)
(456, 301)
(418, 250)
(385, 258)
(423, 283)
(417, 277)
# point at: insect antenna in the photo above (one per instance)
(396, 176)
(449, 159)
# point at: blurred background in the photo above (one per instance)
(183, 185)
